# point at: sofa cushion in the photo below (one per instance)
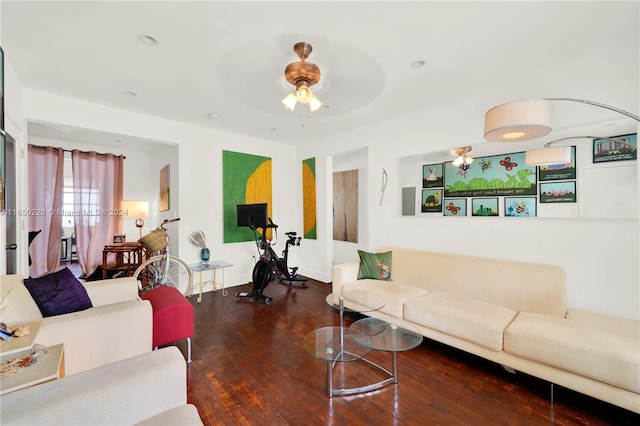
(469, 319)
(597, 346)
(16, 304)
(395, 295)
(375, 266)
(58, 293)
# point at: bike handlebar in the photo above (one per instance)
(164, 222)
(271, 224)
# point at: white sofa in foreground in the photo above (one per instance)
(148, 389)
(118, 326)
(512, 313)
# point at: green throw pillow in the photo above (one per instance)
(375, 266)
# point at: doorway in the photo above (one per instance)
(10, 202)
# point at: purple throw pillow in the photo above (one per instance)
(58, 293)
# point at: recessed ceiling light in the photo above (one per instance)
(213, 116)
(130, 93)
(117, 141)
(147, 39)
(273, 129)
(417, 64)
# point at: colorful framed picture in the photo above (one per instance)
(496, 175)
(617, 148)
(559, 171)
(484, 207)
(456, 207)
(432, 176)
(431, 201)
(520, 206)
(164, 189)
(558, 192)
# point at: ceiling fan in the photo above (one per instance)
(302, 75)
(462, 156)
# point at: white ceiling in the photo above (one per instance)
(228, 58)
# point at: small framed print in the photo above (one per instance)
(432, 176)
(484, 207)
(164, 189)
(617, 148)
(559, 171)
(520, 206)
(119, 238)
(558, 192)
(455, 207)
(431, 201)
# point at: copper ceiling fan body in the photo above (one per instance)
(302, 71)
(302, 75)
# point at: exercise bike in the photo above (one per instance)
(269, 266)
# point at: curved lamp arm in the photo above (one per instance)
(598, 104)
(548, 144)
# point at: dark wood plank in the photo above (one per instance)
(250, 367)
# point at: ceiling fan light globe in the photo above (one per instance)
(458, 161)
(304, 94)
(290, 101)
(315, 104)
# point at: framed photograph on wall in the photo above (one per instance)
(484, 207)
(456, 207)
(520, 206)
(624, 147)
(164, 189)
(431, 201)
(496, 175)
(558, 192)
(559, 171)
(432, 176)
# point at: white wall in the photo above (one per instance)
(139, 176)
(600, 255)
(198, 173)
(15, 125)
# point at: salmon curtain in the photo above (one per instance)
(97, 195)
(46, 179)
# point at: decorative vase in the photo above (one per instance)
(205, 254)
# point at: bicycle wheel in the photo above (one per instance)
(151, 274)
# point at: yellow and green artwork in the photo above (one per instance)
(246, 179)
(309, 197)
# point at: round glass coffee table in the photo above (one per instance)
(386, 334)
(329, 343)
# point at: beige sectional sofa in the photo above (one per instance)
(118, 326)
(148, 389)
(512, 313)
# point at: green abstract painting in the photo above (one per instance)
(309, 197)
(246, 179)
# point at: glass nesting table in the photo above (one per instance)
(341, 344)
(213, 265)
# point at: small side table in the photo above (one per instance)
(213, 265)
(127, 257)
(48, 367)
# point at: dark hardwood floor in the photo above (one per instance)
(250, 368)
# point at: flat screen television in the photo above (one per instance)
(252, 215)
